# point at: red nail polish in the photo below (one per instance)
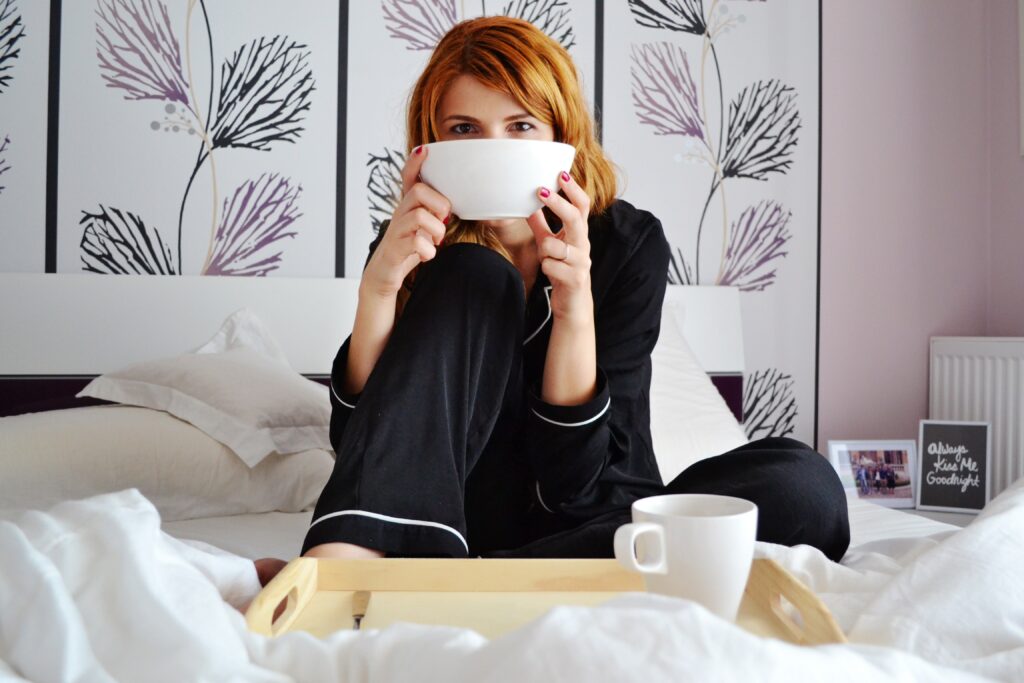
(544, 192)
(419, 150)
(565, 176)
(446, 219)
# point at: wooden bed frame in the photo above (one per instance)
(59, 331)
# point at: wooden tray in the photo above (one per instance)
(493, 597)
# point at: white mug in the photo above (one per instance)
(694, 546)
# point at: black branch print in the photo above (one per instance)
(12, 30)
(763, 125)
(755, 241)
(420, 23)
(679, 271)
(769, 406)
(384, 187)
(138, 51)
(264, 95)
(255, 217)
(686, 16)
(550, 16)
(4, 165)
(117, 242)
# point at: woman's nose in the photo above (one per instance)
(498, 134)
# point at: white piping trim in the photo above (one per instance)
(347, 405)
(542, 500)
(547, 295)
(388, 518)
(574, 424)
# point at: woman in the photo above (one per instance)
(492, 398)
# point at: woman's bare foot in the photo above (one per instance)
(343, 551)
(267, 568)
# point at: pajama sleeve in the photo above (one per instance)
(342, 404)
(580, 453)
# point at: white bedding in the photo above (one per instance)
(92, 590)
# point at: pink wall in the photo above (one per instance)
(1006, 293)
(905, 246)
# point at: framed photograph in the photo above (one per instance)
(954, 465)
(882, 472)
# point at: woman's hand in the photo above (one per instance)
(565, 257)
(417, 227)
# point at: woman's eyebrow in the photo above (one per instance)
(463, 117)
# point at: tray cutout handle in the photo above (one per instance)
(296, 584)
(769, 584)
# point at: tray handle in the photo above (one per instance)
(297, 584)
(769, 583)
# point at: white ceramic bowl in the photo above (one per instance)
(491, 178)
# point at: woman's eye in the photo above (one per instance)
(457, 129)
(527, 129)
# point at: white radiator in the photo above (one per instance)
(982, 379)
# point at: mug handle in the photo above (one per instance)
(625, 547)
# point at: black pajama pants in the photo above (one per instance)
(430, 462)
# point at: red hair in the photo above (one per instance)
(513, 56)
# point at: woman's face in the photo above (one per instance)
(472, 110)
(469, 109)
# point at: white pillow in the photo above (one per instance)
(231, 389)
(243, 330)
(690, 420)
(49, 457)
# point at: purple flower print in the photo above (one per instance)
(420, 23)
(255, 217)
(756, 239)
(138, 51)
(664, 93)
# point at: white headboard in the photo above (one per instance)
(87, 324)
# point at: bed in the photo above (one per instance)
(131, 512)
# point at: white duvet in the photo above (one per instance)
(93, 590)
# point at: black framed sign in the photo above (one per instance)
(953, 465)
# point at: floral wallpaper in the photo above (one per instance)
(261, 98)
(719, 137)
(12, 30)
(205, 137)
(255, 138)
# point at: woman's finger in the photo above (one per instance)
(573, 222)
(559, 272)
(579, 198)
(553, 247)
(424, 247)
(411, 170)
(422, 219)
(423, 195)
(539, 225)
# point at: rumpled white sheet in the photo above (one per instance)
(92, 590)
